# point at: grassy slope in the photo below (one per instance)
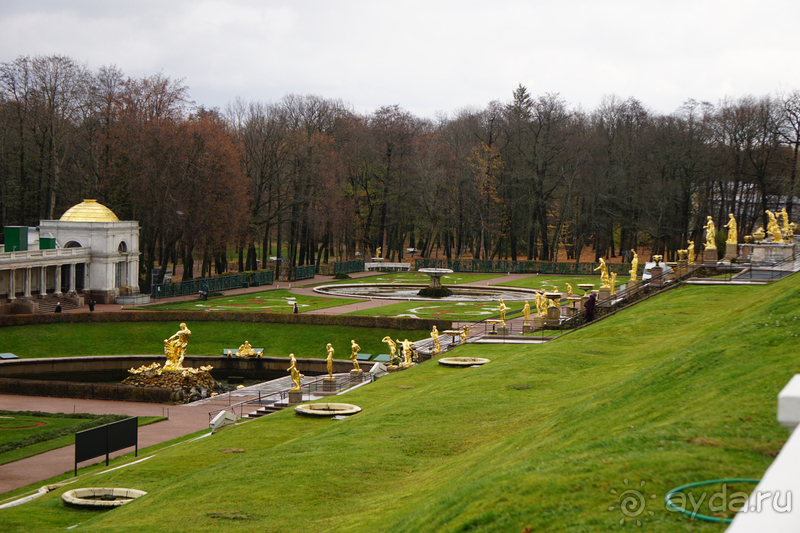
(208, 338)
(680, 388)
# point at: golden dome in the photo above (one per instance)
(89, 211)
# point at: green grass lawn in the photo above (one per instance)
(25, 434)
(677, 389)
(275, 301)
(456, 311)
(548, 281)
(208, 338)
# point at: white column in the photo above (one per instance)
(11, 288)
(133, 275)
(72, 278)
(26, 283)
(57, 291)
(42, 282)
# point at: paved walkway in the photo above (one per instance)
(183, 419)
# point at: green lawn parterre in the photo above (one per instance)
(208, 338)
(678, 389)
(271, 301)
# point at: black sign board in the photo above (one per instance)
(106, 439)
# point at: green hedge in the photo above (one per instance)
(227, 316)
(88, 391)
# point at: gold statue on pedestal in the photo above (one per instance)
(711, 231)
(634, 271)
(690, 252)
(569, 290)
(731, 225)
(503, 309)
(329, 360)
(175, 349)
(437, 347)
(354, 348)
(606, 280)
(378, 251)
(407, 344)
(526, 312)
(788, 232)
(613, 282)
(294, 373)
(464, 334)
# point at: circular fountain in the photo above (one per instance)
(435, 289)
(410, 292)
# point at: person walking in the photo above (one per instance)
(91, 306)
(296, 309)
(58, 307)
(588, 307)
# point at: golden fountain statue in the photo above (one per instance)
(773, 227)
(731, 225)
(690, 252)
(437, 347)
(245, 350)
(634, 271)
(295, 374)
(569, 290)
(329, 360)
(407, 344)
(175, 349)
(354, 348)
(392, 349)
(526, 312)
(711, 231)
(612, 282)
(604, 278)
(503, 309)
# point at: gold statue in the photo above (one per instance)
(711, 231)
(392, 348)
(406, 351)
(437, 347)
(788, 233)
(690, 251)
(773, 227)
(329, 360)
(634, 271)
(354, 348)
(175, 349)
(378, 251)
(731, 225)
(245, 350)
(569, 290)
(613, 282)
(553, 302)
(603, 268)
(526, 312)
(295, 374)
(464, 334)
(503, 309)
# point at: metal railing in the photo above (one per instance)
(348, 267)
(240, 409)
(217, 283)
(304, 272)
(519, 267)
(760, 271)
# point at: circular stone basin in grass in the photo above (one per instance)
(100, 498)
(327, 409)
(463, 361)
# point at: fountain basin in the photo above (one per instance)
(100, 498)
(409, 291)
(327, 409)
(463, 361)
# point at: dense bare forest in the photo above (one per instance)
(309, 178)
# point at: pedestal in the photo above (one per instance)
(553, 313)
(682, 268)
(656, 276)
(539, 321)
(527, 329)
(731, 250)
(357, 376)
(631, 286)
(392, 368)
(328, 384)
(502, 330)
(710, 256)
(576, 302)
(295, 397)
(603, 296)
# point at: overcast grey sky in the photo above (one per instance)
(426, 56)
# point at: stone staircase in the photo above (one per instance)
(48, 305)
